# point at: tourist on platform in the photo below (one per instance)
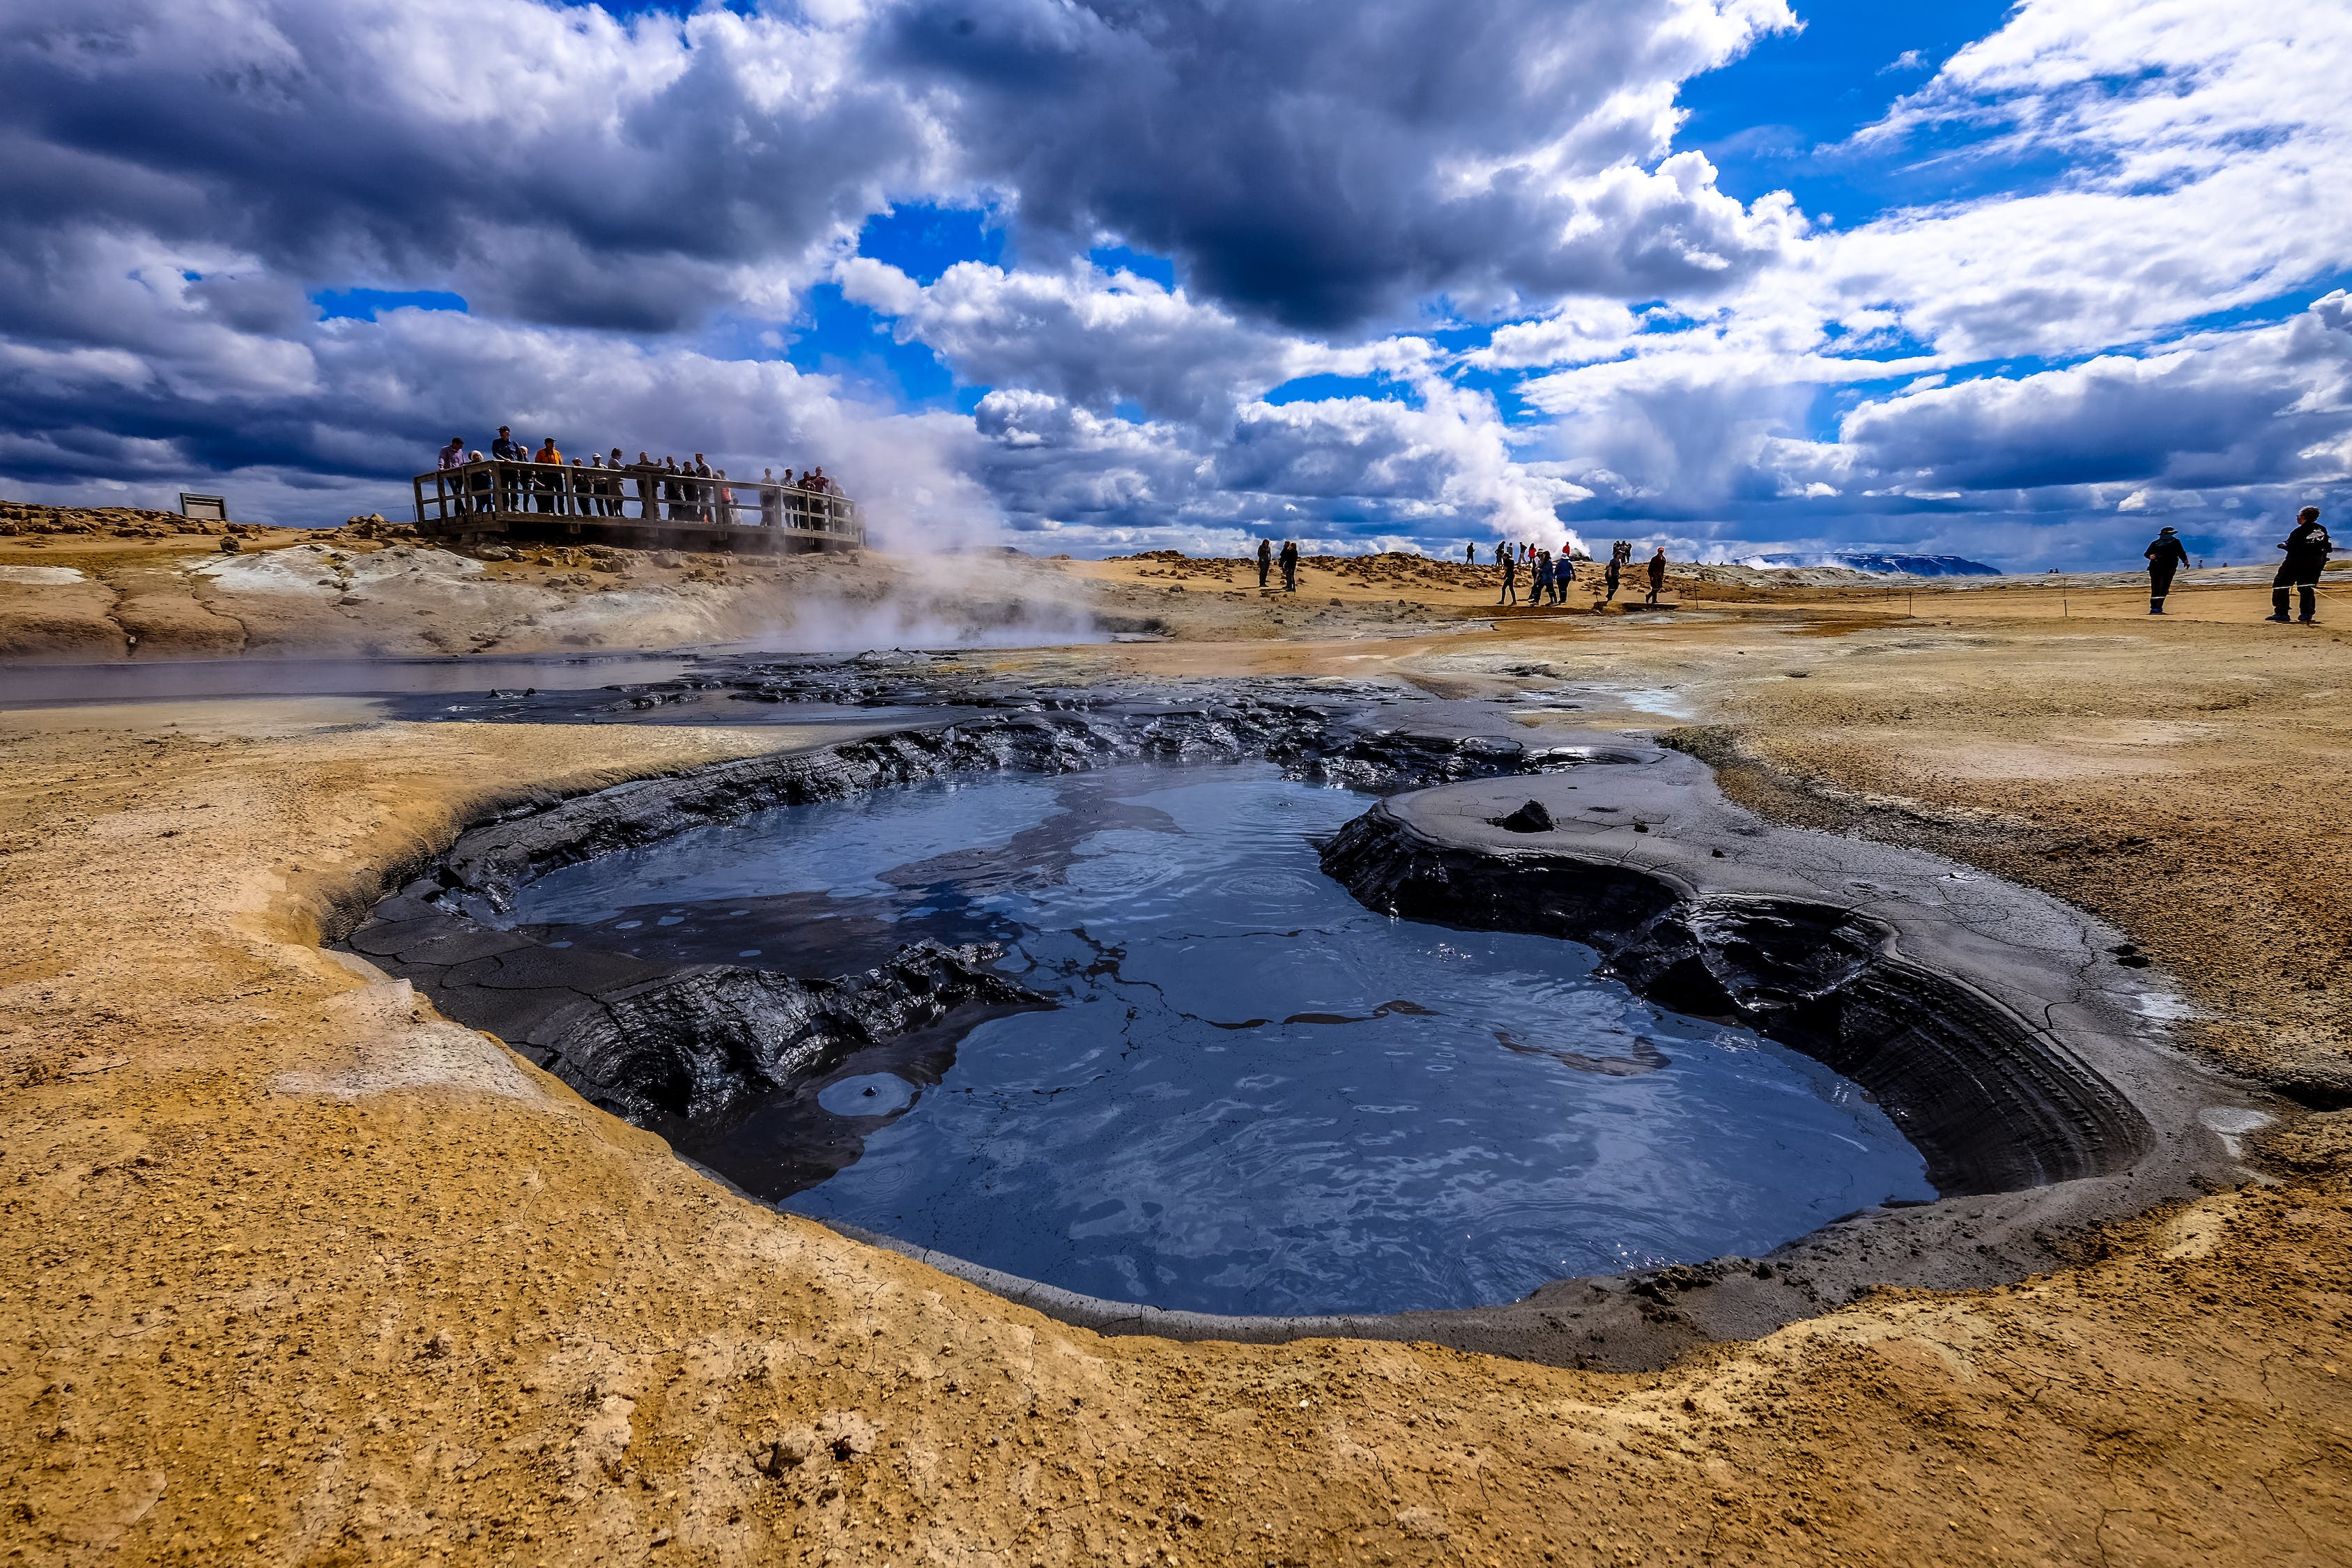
(1265, 560)
(1289, 559)
(550, 486)
(484, 484)
(2165, 557)
(701, 494)
(506, 449)
(2307, 548)
(726, 499)
(613, 486)
(1657, 575)
(583, 490)
(452, 457)
(648, 506)
(771, 498)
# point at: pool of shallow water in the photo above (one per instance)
(1253, 1094)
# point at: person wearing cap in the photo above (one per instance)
(2307, 548)
(2165, 557)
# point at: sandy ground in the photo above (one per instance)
(297, 1271)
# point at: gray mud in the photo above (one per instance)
(2009, 1035)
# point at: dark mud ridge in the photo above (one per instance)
(650, 1041)
(1998, 1027)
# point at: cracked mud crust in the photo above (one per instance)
(299, 1271)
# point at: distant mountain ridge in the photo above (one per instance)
(1871, 561)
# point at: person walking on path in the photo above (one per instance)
(1470, 555)
(1289, 566)
(1563, 572)
(1539, 581)
(2307, 549)
(1510, 577)
(1265, 560)
(1657, 575)
(2165, 557)
(1619, 553)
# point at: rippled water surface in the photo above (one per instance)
(1254, 1095)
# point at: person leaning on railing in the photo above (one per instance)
(505, 449)
(546, 487)
(451, 459)
(647, 489)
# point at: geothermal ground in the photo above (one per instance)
(300, 1270)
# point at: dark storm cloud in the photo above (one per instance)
(547, 163)
(1324, 162)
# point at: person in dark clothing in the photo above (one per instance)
(1657, 575)
(1510, 577)
(1289, 566)
(1619, 553)
(1539, 580)
(1265, 560)
(1563, 572)
(2307, 548)
(506, 449)
(2165, 557)
(1470, 555)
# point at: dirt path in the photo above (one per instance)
(297, 1272)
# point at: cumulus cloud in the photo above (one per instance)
(1438, 271)
(2253, 405)
(1323, 162)
(549, 162)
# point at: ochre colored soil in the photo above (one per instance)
(295, 1271)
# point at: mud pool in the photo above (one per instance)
(1252, 1094)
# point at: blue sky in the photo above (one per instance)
(1735, 276)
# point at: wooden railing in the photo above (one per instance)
(502, 492)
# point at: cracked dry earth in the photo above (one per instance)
(297, 1272)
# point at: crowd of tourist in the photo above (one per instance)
(1549, 575)
(605, 485)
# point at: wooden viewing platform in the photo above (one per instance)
(644, 508)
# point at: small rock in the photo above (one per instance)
(1529, 818)
(788, 1451)
(229, 545)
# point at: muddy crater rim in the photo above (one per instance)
(2033, 1130)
